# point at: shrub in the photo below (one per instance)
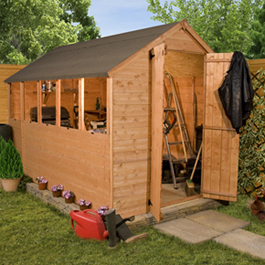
(10, 162)
(22, 187)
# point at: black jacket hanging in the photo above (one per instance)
(236, 92)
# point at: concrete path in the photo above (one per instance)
(212, 225)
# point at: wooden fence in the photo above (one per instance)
(6, 70)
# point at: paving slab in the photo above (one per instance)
(218, 221)
(244, 241)
(187, 230)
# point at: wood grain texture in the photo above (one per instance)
(157, 129)
(77, 159)
(6, 71)
(221, 143)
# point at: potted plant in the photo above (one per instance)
(102, 212)
(42, 182)
(84, 204)
(57, 190)
(68, 196)
(11, 168)
(2, 145)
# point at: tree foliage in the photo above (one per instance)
(257, 34)
(252, 142)
(31, 28)
(223, 24)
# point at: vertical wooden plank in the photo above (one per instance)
(157, 129)
(216, 121)
(110, 133)
(8, 100)
(207, 120)
(81, 123)
(207, 161)
(193, 145)
(39, 102)
(58, 102)
(22, 117)
(102, 94)
(234, 162)
(225, 171)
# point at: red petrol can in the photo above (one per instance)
(89, 224)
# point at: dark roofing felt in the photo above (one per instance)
(93, 58)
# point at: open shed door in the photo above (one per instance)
(157, 129)
(220, 140)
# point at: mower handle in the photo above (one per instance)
(132, 218)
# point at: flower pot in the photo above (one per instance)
(10, 184)
(1, 186)
(83, 207)
(70, 200)
(56, 193)
(42, 186)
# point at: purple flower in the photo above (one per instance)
(41, 180)
(102, 210)
(87, 203)
(60, 187)
(56, 188)
(68, 194)
(83, 202)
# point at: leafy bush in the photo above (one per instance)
(10, 162)
(22, 187)
(2, 144)
(252, 142)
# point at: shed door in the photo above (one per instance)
(220, 140)
(157, 130)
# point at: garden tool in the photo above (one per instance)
(168, 125)
(190, 188)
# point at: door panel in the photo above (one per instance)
(220, 140)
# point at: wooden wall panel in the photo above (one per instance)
(77, 159)
(255, 65)
(30, 97)
(131, 137)
(182, 41)
(6, 71)
(15, 101)
(16, 130)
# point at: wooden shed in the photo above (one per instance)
(125, 73)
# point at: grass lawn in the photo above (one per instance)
(35, 233)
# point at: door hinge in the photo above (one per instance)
(150, 203)
(151, 54)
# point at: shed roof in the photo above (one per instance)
(93, 58)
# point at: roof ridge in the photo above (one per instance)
(112, 36)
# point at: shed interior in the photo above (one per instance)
(94, 92)
(187, 71)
